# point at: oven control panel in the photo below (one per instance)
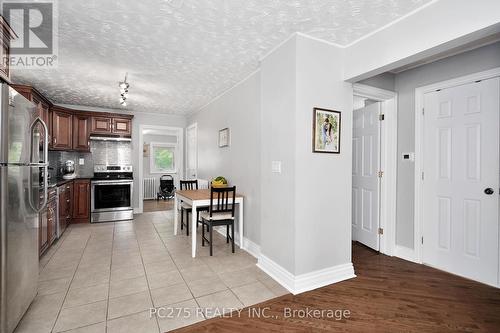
(112, 168)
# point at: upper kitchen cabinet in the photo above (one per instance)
(6, 35)
(101, 125)
(110, 124)
(62, 129)
(81, 132)
(122, 126)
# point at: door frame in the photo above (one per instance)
(388, 161)
(416, 256)
(140, 155)
(195, 126)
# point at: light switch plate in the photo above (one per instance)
(276, 166)
(81, 161)
(408, 157)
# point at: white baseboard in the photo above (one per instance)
(405, 253)
(297, 284)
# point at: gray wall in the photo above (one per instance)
(239, 110)
(470, 62)
(323, 182)
(385, 81)
(278, 86)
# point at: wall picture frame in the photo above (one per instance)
(224, 137)
(326, 131)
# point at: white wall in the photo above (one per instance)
(470, 62)
(322, 181)
(278, 86)
(438, 27)
(239, 110)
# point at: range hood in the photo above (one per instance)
(109, 138)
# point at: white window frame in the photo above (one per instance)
(152, 167)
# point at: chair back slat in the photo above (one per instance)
(222, 200)
(189, 184)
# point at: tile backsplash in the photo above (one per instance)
(101, 152)
(58, 158)
(111, 152)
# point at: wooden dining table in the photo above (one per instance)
(198, 198)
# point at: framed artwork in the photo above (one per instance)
(224, 137)
(326, 131)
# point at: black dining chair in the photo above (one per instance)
(189, 185)
(220, 212)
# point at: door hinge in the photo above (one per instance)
(422, 240)
(423, 111)
(381, 117)
(380, 231)
(380, 174)
(422, 176)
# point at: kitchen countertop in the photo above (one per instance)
(60, 181)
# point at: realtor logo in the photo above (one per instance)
(35, 24)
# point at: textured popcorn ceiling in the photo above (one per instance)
(181, 54)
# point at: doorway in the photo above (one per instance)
(192, 151)
(459, 178)
(374, 168)
(366, 174)
(160, 153)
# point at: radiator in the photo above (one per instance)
(150, 188)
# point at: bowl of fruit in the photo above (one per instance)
(219, 182)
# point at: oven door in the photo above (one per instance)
(111, 195)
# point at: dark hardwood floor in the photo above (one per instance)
(388, 295)
(157, 205)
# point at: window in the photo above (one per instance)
(162, 158)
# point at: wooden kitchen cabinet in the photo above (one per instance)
(47, 229)
(101, 125)
(52, 221)
(81, 201)
(122, 126)
(62, 129)
(81, 132)
(65, 205)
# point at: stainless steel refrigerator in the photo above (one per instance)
(23, 194)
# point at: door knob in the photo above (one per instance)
(489, 191)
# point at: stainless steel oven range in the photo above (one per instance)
(111, 195)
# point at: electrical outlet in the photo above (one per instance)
(81, 161)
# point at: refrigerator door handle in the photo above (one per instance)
(37, 164)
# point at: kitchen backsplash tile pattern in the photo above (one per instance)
(57, 159)
(111, 152)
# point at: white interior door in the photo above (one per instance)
(365, 178)
(461, 161)
(192, 152)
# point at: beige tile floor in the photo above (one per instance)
(106, 278)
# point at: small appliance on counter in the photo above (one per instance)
(68, 170)
(111, 194)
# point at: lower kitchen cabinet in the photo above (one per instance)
(47, 231)
(73, 198)
(81, 201)
(65, 205)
